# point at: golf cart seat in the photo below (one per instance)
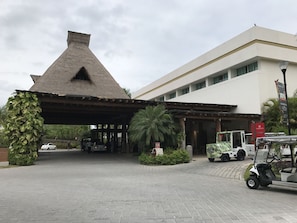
(289, 174)
(289, 170)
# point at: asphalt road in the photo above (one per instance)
(73, 186)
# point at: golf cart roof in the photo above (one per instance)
(292, 139)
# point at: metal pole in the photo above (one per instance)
(288, 113)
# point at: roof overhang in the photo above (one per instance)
(79, 109)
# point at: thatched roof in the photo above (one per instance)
(35, 77)
(78, 72)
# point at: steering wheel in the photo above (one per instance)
(274, 157)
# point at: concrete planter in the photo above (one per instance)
(4, 157)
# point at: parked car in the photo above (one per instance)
(92, 146)
(48, 146)
(98, 147)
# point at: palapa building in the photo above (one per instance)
(77, 89)
(78, 72)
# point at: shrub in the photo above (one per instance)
(170, 157)
(20, 159)
(247, 172)
(146, 159)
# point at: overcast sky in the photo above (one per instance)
(138, 41)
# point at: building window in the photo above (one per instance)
(220, 78)
(185, 90)
(199, 85)
(172, 95)
(161, 98)
(246, 69)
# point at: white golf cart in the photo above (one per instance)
(268, 158)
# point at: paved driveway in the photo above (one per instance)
(80, 187)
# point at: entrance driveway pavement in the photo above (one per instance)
(78, 187)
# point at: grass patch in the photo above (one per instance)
(247, 172)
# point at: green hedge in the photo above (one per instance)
(170, 157)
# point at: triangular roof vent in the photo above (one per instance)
(82, 75)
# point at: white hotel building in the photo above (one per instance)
(241, 71)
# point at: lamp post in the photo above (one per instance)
(283, 66)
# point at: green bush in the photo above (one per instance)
(247, 172)
(16, 158)
(170, 157)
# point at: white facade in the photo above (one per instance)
(241, 71)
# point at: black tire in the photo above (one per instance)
(240, 155)
(225, 158)
(211, 159)
(252, 182)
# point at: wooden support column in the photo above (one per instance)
(218, 125)
(124, 139)
(182, 122)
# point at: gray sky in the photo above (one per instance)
(138, 41)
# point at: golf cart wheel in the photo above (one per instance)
(225, 158)
(211, 159)
(252, 182)
(240, 155)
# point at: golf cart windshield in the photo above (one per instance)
(262, 154)
(268, 147)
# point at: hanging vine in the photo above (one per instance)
(23, 128)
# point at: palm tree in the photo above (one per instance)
(273, 117)
(152, 124)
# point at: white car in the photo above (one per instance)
(48, 146)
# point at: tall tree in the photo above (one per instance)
(2, 115)
(3, 140)
(69, 132)
(152, 124)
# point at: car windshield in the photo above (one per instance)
(224, 137)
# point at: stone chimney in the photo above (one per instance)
(74, 37)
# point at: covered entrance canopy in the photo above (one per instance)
(88, 110)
